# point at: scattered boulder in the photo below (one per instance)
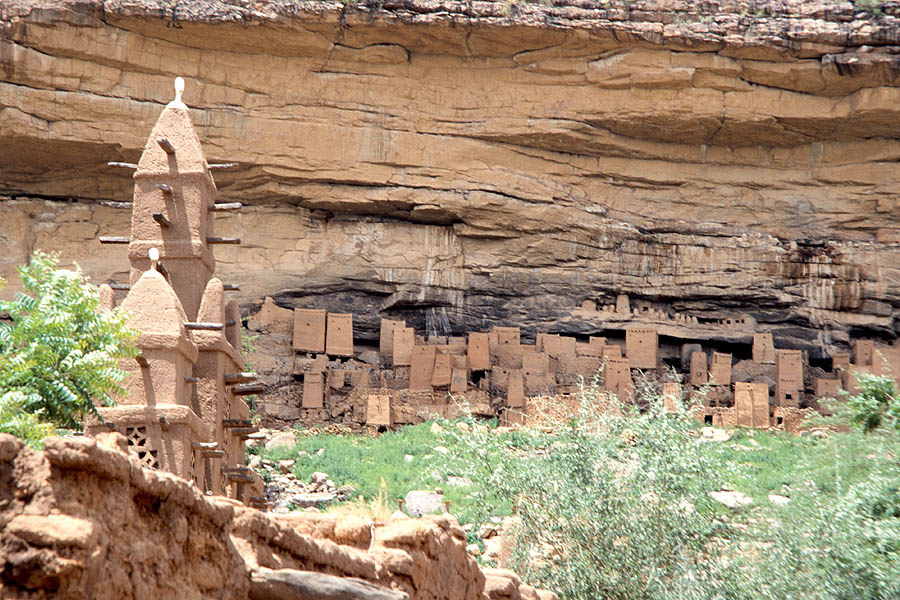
(285, 439)
(421, 502)
(497, 587)
(747, 370)
(313, 499)
(436, 428)
(731, 499)
(370, 357)
(779, 500)
(268, 584)
(713, 434)
(492, 547)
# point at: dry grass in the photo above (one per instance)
(379, 509)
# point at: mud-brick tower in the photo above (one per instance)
(156, 415)
(184, 411)
(173, 192)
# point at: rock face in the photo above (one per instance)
(456, 164)
(85, 520)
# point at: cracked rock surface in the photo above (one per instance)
(459, 164)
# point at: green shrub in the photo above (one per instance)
(16, 420)
(839, 538)
(876, 404)
(58, 351)
(610, 506)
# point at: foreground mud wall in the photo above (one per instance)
(84, 520)
(459, 164)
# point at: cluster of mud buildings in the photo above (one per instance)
(410, 378)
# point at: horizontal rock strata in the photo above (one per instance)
(462, 164)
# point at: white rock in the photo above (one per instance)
(436, 429)
(318, 477)
(312, 499)
(441, 450)
(492, 547)
(732, 499)
(286, 465)
(713, 434)
(422, 502)
(409, 458)
(779, 500)
(473, 550)
(463, 426)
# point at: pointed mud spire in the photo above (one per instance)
(179, 90)
(173, 191)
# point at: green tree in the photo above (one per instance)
(59, 351)
(876, 404)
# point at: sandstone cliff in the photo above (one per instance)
(463, 163)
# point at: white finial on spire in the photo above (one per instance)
(154, 258)
(179, 90)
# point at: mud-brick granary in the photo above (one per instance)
(183, 412)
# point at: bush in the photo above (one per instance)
(58, 352)
(612, 506)
(876, 403)
(617, 506)
(839, 538)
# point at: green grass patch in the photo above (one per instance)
(377, 466)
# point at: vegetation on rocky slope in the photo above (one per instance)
(649, 506)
